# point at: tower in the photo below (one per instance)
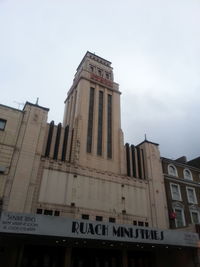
(92, 116)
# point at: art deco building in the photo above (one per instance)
(74, 195)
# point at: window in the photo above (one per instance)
(109, 127)
(99, 218)
(56, 213)
(85, 216)
(187, 174)
(100, 72)
(146, 224)
(48, 212)
(112, 220)
(90, 121)
(39, 211)
(134, 222)
(194, 215)
(175, 192)
(191, 195)
(172, 170)
(2, 124)
(107, 76)
(100, 124)
(180, 218)
(91, 68)
(140, 223)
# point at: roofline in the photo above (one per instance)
(93, 55)
(146, 141)
(35, 105)
(180, 163)
(5, 106)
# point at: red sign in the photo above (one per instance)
(101, 80)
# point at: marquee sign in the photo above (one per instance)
(34, 224)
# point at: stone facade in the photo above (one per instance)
(48, 166)
(81, 168)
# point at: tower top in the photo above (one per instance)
(95, 58)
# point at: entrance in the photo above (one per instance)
(95, 258)
(110, 258)
(42, 256)
(141, 259)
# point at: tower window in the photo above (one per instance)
(90, 121)
(107, 76)
(100, 124)
(100, 72)
(91, 68)
(109, 127)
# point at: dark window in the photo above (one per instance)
(85, 216)
(107, 76)
(2, 124)
(56, 147)
(139, 162)
(99, 218)
(133, 160)
(56, 213)
(143, 165)
(64, 149)
(100, 72)
(90, 121)
(112, 220)
(141, 223)
(128, 159)
(100, 124)
(39, 211)
(91, 68)
(146, 224)
(70, 152)
(109, 125)
(48, 212)
(50, 134)
(134, 222)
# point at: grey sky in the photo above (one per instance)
(153, 45)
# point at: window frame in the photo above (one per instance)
(182, 214)
(185, 177)
(4, 124)
(193, 210)
(179, 192)
(194, 192)
(175, 170)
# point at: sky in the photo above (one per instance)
(154, 47)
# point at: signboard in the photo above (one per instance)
(34, 224)
(101, 80)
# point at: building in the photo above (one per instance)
(182, 181)
(74, 195)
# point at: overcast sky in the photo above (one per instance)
(154, 47)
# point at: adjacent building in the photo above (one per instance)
(74, 195)
(182, 182)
